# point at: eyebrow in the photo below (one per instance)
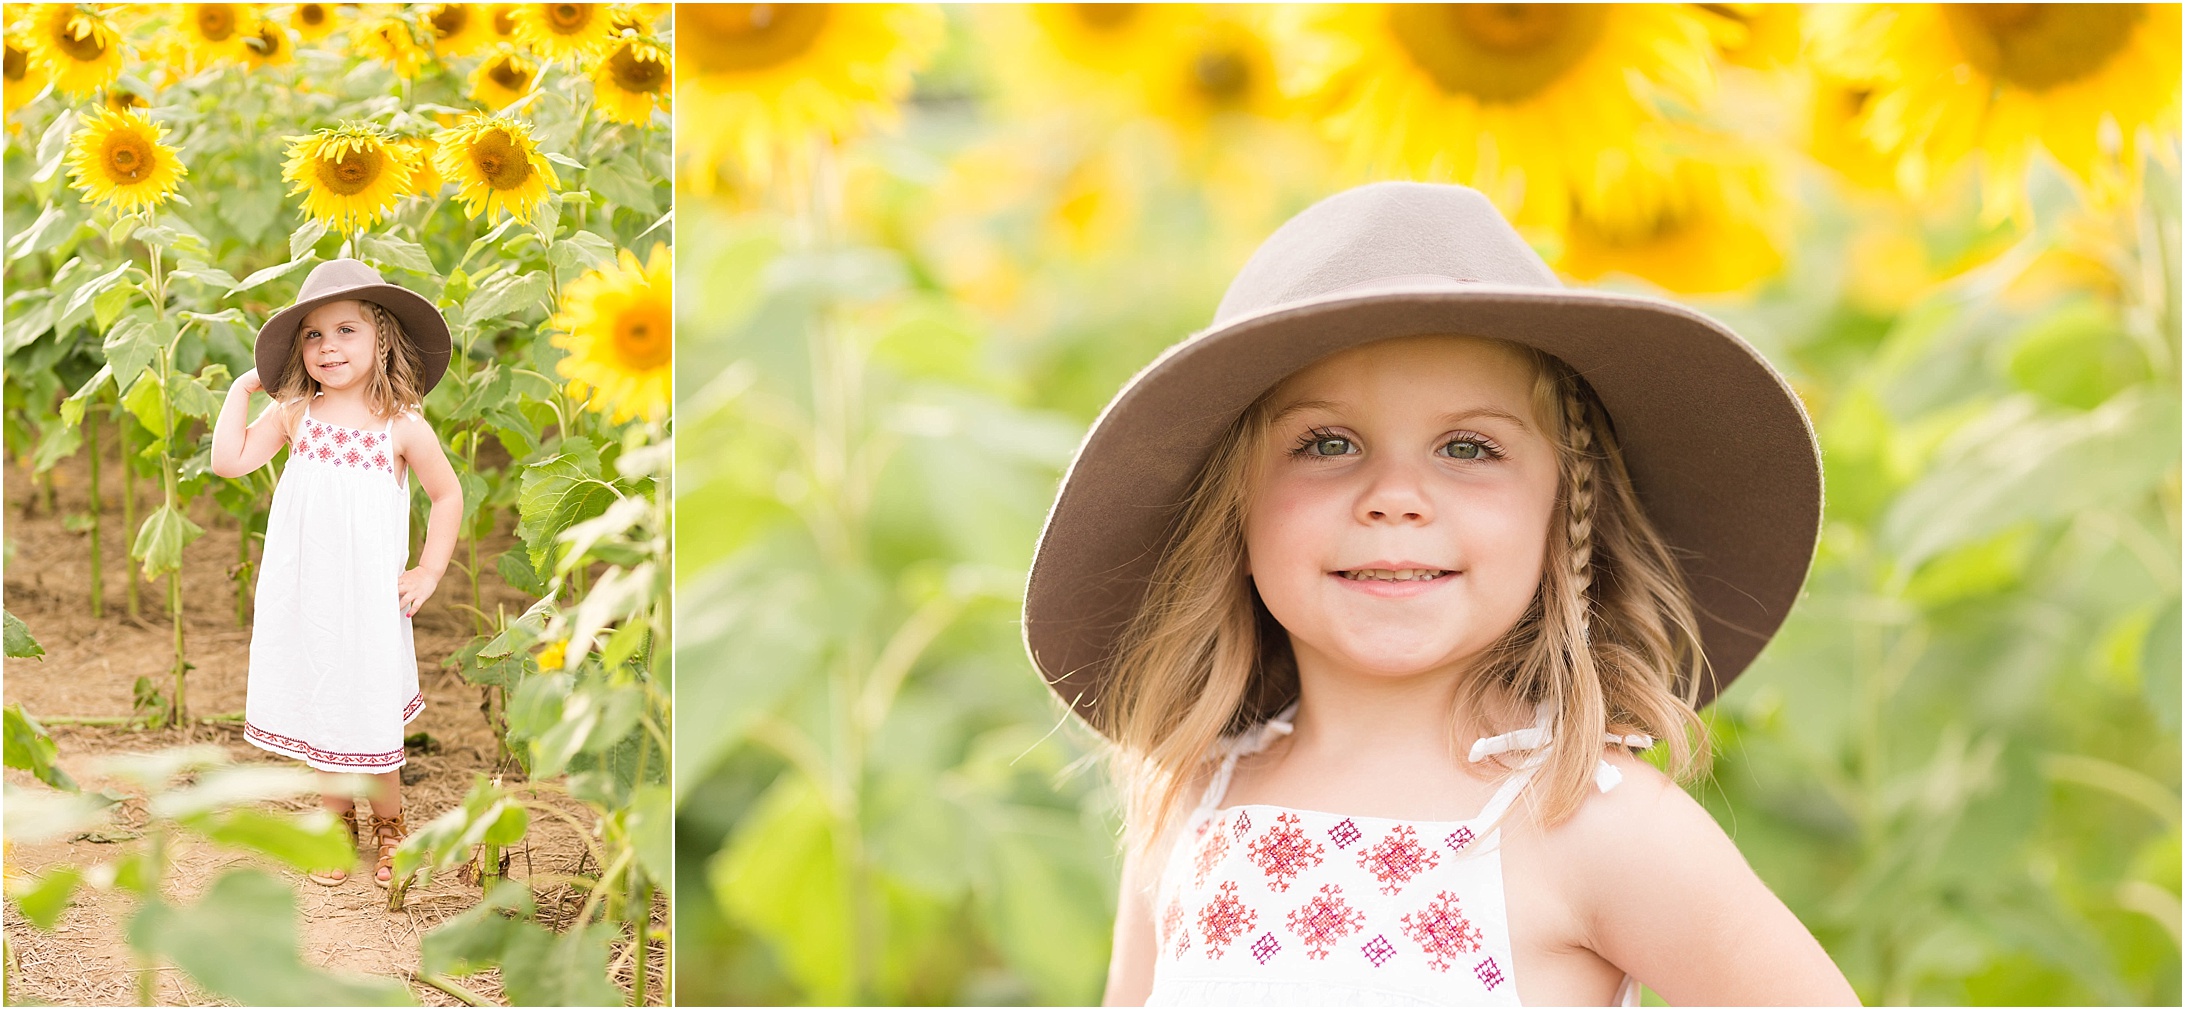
(1453, 417)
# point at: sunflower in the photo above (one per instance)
(313, 21)
(499, 82)
(562, 31)
(392, 40)
(1185, 64)
(460, 29)
(79, 51)
(214, 33)
(503, 20)
(425, 154)
(1835, 124)
(117, 159)
(495, 167)
(122, 99)
(1694, 225)
(25, 76)
(1520, 100)
(631, 78)
(1763, 36)
(350, 175)
(630, 19)
(770, 81)
(269, 46)
(617, 325)
(2002, 80)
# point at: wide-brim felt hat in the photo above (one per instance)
(1720, 451)
(335, 280)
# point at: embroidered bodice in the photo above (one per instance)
(1268, 905)
(348, 448)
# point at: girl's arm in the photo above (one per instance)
(420, 448)
(237, 449)
(1674, 903)
(1130, 963)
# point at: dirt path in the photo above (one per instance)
(89, 669)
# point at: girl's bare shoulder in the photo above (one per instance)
(410, 424)
(1644, 832)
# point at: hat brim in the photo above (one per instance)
(426, 327)
(1719, 449)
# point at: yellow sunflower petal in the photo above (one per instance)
(314, 21)
(392, 40)
(25, 76)
(631, 80)
(503, 79)
(214, 33)
(617, 325)
(460, 29)
(80, 52)
(351, 175)
(1688, 224)
(495, 166)
(562, 31)
(269, 46)
(118, 159)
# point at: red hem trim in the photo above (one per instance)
(303, 750)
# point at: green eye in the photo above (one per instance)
(1336, 446)
(1464, 449)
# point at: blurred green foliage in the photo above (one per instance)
(1958, 762)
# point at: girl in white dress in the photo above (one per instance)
(333, 667)
(1375, 586)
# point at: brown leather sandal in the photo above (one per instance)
(351, 822)
(387, 834)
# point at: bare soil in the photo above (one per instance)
(89, 669)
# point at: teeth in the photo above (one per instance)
(1393, 575)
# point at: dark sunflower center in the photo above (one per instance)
(507, 73)
(504, 20)
(311, 14)
(633, 74)
(2039, 46)
(642, 339)
(568, 19)
(122, 98)
(267, 42)
(1497, 52)
(83, 50)
(499, 161)
(352, 172)
(1223, 76)
(448, 21)
(216, 22)
(735, 38)
(128, 156)
(18, 65)
(1104, 17)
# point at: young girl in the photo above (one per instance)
(333, 669)
(1377, 584)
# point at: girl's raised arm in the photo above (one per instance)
(238, 449)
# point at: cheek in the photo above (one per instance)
(1284, 526)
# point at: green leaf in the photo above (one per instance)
(507, 293)
(210, 276)
(272, 273)
(27, 324)
(19, 643)
(543, 968)
(400, 253)
(27, 241)
(593, 719)
(515, 569)
(780, 878)
(475, 940)
(72, 408)
(239, 942)
(30, 749)
(564, 161)
(313, 841)
(56, 443)
(131, 345)
(148, 405)
(486, 816)
(108, 305)
(2160, 665)
(161, 539)
(580, 252)
(45, 898)
(557, 493)
(624, 186)
(303, 241)
(193, 398)
(35, 815)
(79, 303)
(651, 824)
(232, 786)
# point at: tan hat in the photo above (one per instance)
(335, 280)
(1720, 451)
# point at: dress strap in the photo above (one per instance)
(1539, 739)
(1249, 742)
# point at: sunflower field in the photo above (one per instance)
(173, 172)
(934, 242)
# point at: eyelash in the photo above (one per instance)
(1312, 438)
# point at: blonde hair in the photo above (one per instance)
(389, 389)
(1609, 641)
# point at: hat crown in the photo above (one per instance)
(1395, 231)
(338, 275)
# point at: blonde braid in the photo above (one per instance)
(1578, 431)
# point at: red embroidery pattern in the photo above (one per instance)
(1265, 947)
(1396, 859)
(1171, 921)
(303, 750)
(1244, 824)
(1344, 833)
(1324, 919)
(1215, 846)
(1442, 931)
(1489, 975)
(329, 443)
(1378, 950)
(1458, 839)
(1284, 852)
(1224, 919)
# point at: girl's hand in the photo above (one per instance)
(249, 382)
(413, 588)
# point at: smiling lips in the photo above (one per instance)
(1394, 580)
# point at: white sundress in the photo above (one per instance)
(333, 666)
(1263, 905)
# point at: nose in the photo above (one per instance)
(1395, 492)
